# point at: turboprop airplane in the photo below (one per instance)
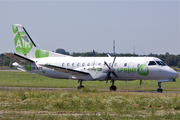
(31, 59)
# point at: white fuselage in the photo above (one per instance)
(126, 68)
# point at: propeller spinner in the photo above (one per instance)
(111, 70)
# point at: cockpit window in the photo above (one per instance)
(152, 63)
(161, 63)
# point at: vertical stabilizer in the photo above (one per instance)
(25, 46)
(23, 42)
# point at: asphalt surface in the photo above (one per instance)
(69, 89)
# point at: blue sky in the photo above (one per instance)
(81, 26)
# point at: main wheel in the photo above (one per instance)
(160, 90)
(113, 88)
(79, 87)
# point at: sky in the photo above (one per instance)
(151, 26)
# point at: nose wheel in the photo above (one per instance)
(159, 89)
(113, 87)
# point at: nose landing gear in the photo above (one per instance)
(159, 89)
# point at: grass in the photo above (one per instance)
(175, 68)
(23, 79)
(80, 104)
(87, 103)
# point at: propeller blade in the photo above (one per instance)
(114, 74)
(107, 65)
(113, 61)
(108, 76)
(111, 70)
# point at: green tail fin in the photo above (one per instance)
(22, 40)
(25, 46)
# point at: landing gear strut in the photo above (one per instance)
(159, 89)
(80, 86)
(113, 87)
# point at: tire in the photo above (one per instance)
(159, 90)
(79, 87)
(113, 88)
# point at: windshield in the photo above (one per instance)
(152, 63)
(161, 63)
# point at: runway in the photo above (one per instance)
(70, 89)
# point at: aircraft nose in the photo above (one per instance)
(172, 73)
(176, 75)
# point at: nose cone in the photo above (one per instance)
(176, 75)
(170, 73)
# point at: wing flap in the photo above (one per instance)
(19, 59)
(66, 70)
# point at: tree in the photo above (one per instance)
(94, 52)
(178, 65)
(6, 62)
(10, 64)
(2, 56)
(61, 51)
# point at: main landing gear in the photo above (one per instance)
(159, 89)
(113, 87)
(80, 86)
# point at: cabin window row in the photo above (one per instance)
(86, 64)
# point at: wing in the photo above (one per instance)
(66, 70)
(19, 59)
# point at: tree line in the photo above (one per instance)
(169, 59)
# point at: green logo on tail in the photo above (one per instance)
(22, 42)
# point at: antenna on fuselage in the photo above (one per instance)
(114, 46)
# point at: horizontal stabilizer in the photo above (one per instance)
(19, 59)
(66, 70)
(24, 70)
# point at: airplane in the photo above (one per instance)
(31, 59)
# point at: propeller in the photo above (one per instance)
(111, 70)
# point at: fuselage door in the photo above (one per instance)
(94, 63)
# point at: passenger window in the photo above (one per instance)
(72, 64)
(68, 64)
(115, 64)
(99, 64)
(152, 63)
(83, 64)
(138, 65)
(161, 63)
(78, 64)
(88, 64)
(125, 64)
(62, 64)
